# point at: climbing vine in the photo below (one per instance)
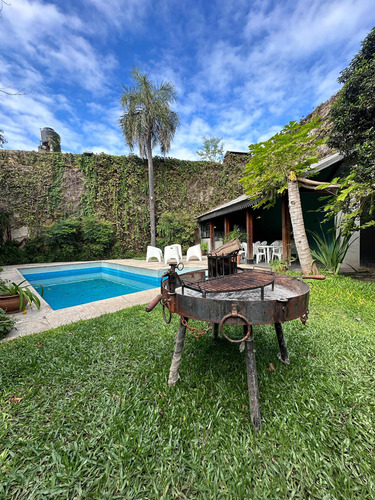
(37, 188)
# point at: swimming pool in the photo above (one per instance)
(76, 284)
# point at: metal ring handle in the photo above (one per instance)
(245, 320)
(180, 266)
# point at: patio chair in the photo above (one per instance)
(243, 252)
(277, 249)
(179, 250)
(171, 252)
(259, 253)
(194, 251)
(154, 252)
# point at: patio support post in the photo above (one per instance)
(212, 236)
(226, 226)
(286, 229)
(250, 234)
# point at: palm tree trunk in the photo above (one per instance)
(299, 231)
(151, 191)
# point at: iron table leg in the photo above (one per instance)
(176, 360)
(215, 331)
(252, 382)
(283, 355)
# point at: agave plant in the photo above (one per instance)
(331, 251)
(23, 291)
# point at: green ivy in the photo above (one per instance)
(33, 187)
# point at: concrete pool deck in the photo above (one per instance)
(36, 321)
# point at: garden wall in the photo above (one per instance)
(37, 189)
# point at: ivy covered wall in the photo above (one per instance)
(37, 189)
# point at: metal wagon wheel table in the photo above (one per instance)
(245, 298)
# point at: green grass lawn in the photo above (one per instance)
(97, 419)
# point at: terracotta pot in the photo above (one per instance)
(10, 303)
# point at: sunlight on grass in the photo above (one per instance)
(97, 419)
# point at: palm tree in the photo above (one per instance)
(148, 121)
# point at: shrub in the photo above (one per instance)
(10, 254)
(177, 227)
(236, 232)
(6, 323)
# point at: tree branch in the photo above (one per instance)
(303, 180)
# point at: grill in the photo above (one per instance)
(245, 298)
(232, 283)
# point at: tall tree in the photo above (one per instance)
(277, 165)
(353, 134)
(212, 150)
(147, 122)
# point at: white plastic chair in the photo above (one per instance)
(154, 252)
(171, 252)
(179, 250)
(243, 252)
(259, 253)
(194, 251)
(277, 249)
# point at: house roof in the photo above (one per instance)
(239, 203)
(244, 201)
(326, 162)
(241, 153)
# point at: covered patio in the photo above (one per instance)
(270, 224)
(259, 224)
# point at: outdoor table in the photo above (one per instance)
(268, 249)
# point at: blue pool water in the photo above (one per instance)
(77, 285)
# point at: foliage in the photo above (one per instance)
(317, 438)
(291, 150)
(64, 232)
(44, 188)
(204, 247)
(82, 239)
(353, 134)
(4, 219)
(86, 238)
(212, 150)
(2, 139)
(10, 254)
(275, 166)
(177, 227)
(331, 248)
(6, 323)
(54, 142)
(278, 265)
(24, 292)
(147, 115)
(236, 232)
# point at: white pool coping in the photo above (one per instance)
(35, 321)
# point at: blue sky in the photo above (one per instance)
(242, 69)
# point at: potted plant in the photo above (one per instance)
(15, 297)
(204, 248)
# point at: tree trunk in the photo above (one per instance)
(151, 192)
(298, 225)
